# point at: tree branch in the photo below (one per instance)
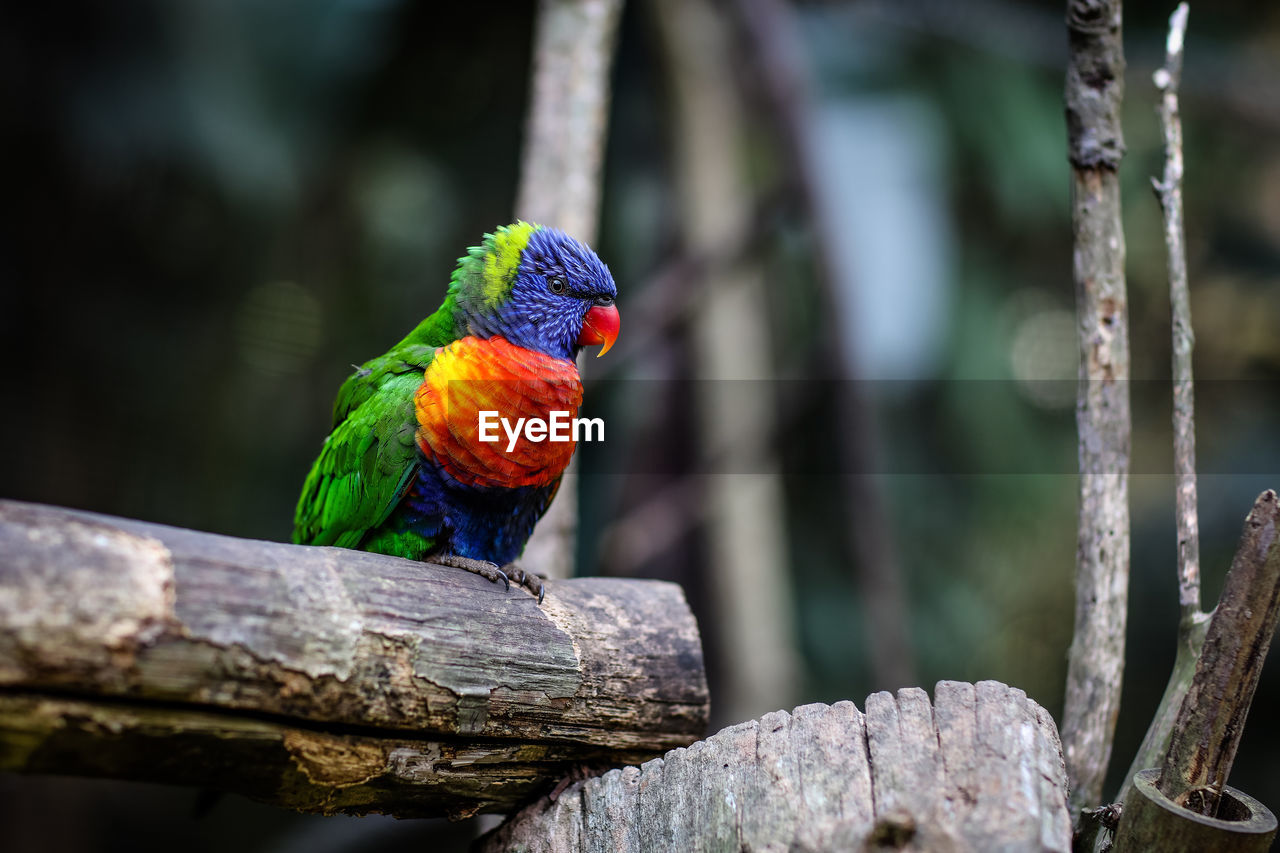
(1169, 192)
(1211, 719)
(568, 115)
(1094, 90)
(560, 184)
(1176, 808)
(322, 678)
(1194, 622)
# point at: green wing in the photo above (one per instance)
(369, 459)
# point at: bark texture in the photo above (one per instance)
(1212, 717)
(1094, 89)
(324, 678)
(1169, 192)
(980, 769)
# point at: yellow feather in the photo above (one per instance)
(501, 262)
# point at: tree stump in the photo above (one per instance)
(980, 769)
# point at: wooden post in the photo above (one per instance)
(324, 679)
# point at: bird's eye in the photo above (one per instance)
(556, 284)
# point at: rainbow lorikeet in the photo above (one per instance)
(404, 470)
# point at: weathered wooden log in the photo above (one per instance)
(321, 678)
(980, 769)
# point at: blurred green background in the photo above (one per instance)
(217, 206)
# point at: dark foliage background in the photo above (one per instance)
(214, 208)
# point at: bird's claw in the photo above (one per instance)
(530, 581)
(486, 569)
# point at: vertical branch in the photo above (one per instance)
(1094, 90)
(1169, 192)
(1194, 623)
(1213, 703)
(560, 183)
(568, 114)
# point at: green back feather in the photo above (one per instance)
(369, 459)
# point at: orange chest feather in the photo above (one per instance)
(474, 376)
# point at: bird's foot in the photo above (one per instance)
(483, 568)
(530, 581)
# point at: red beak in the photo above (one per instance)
(600, 326)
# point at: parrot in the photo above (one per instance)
(407, 469)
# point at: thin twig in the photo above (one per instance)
(1169, 192)
(1212, 704)
(1194, 623)
(1094, 90)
